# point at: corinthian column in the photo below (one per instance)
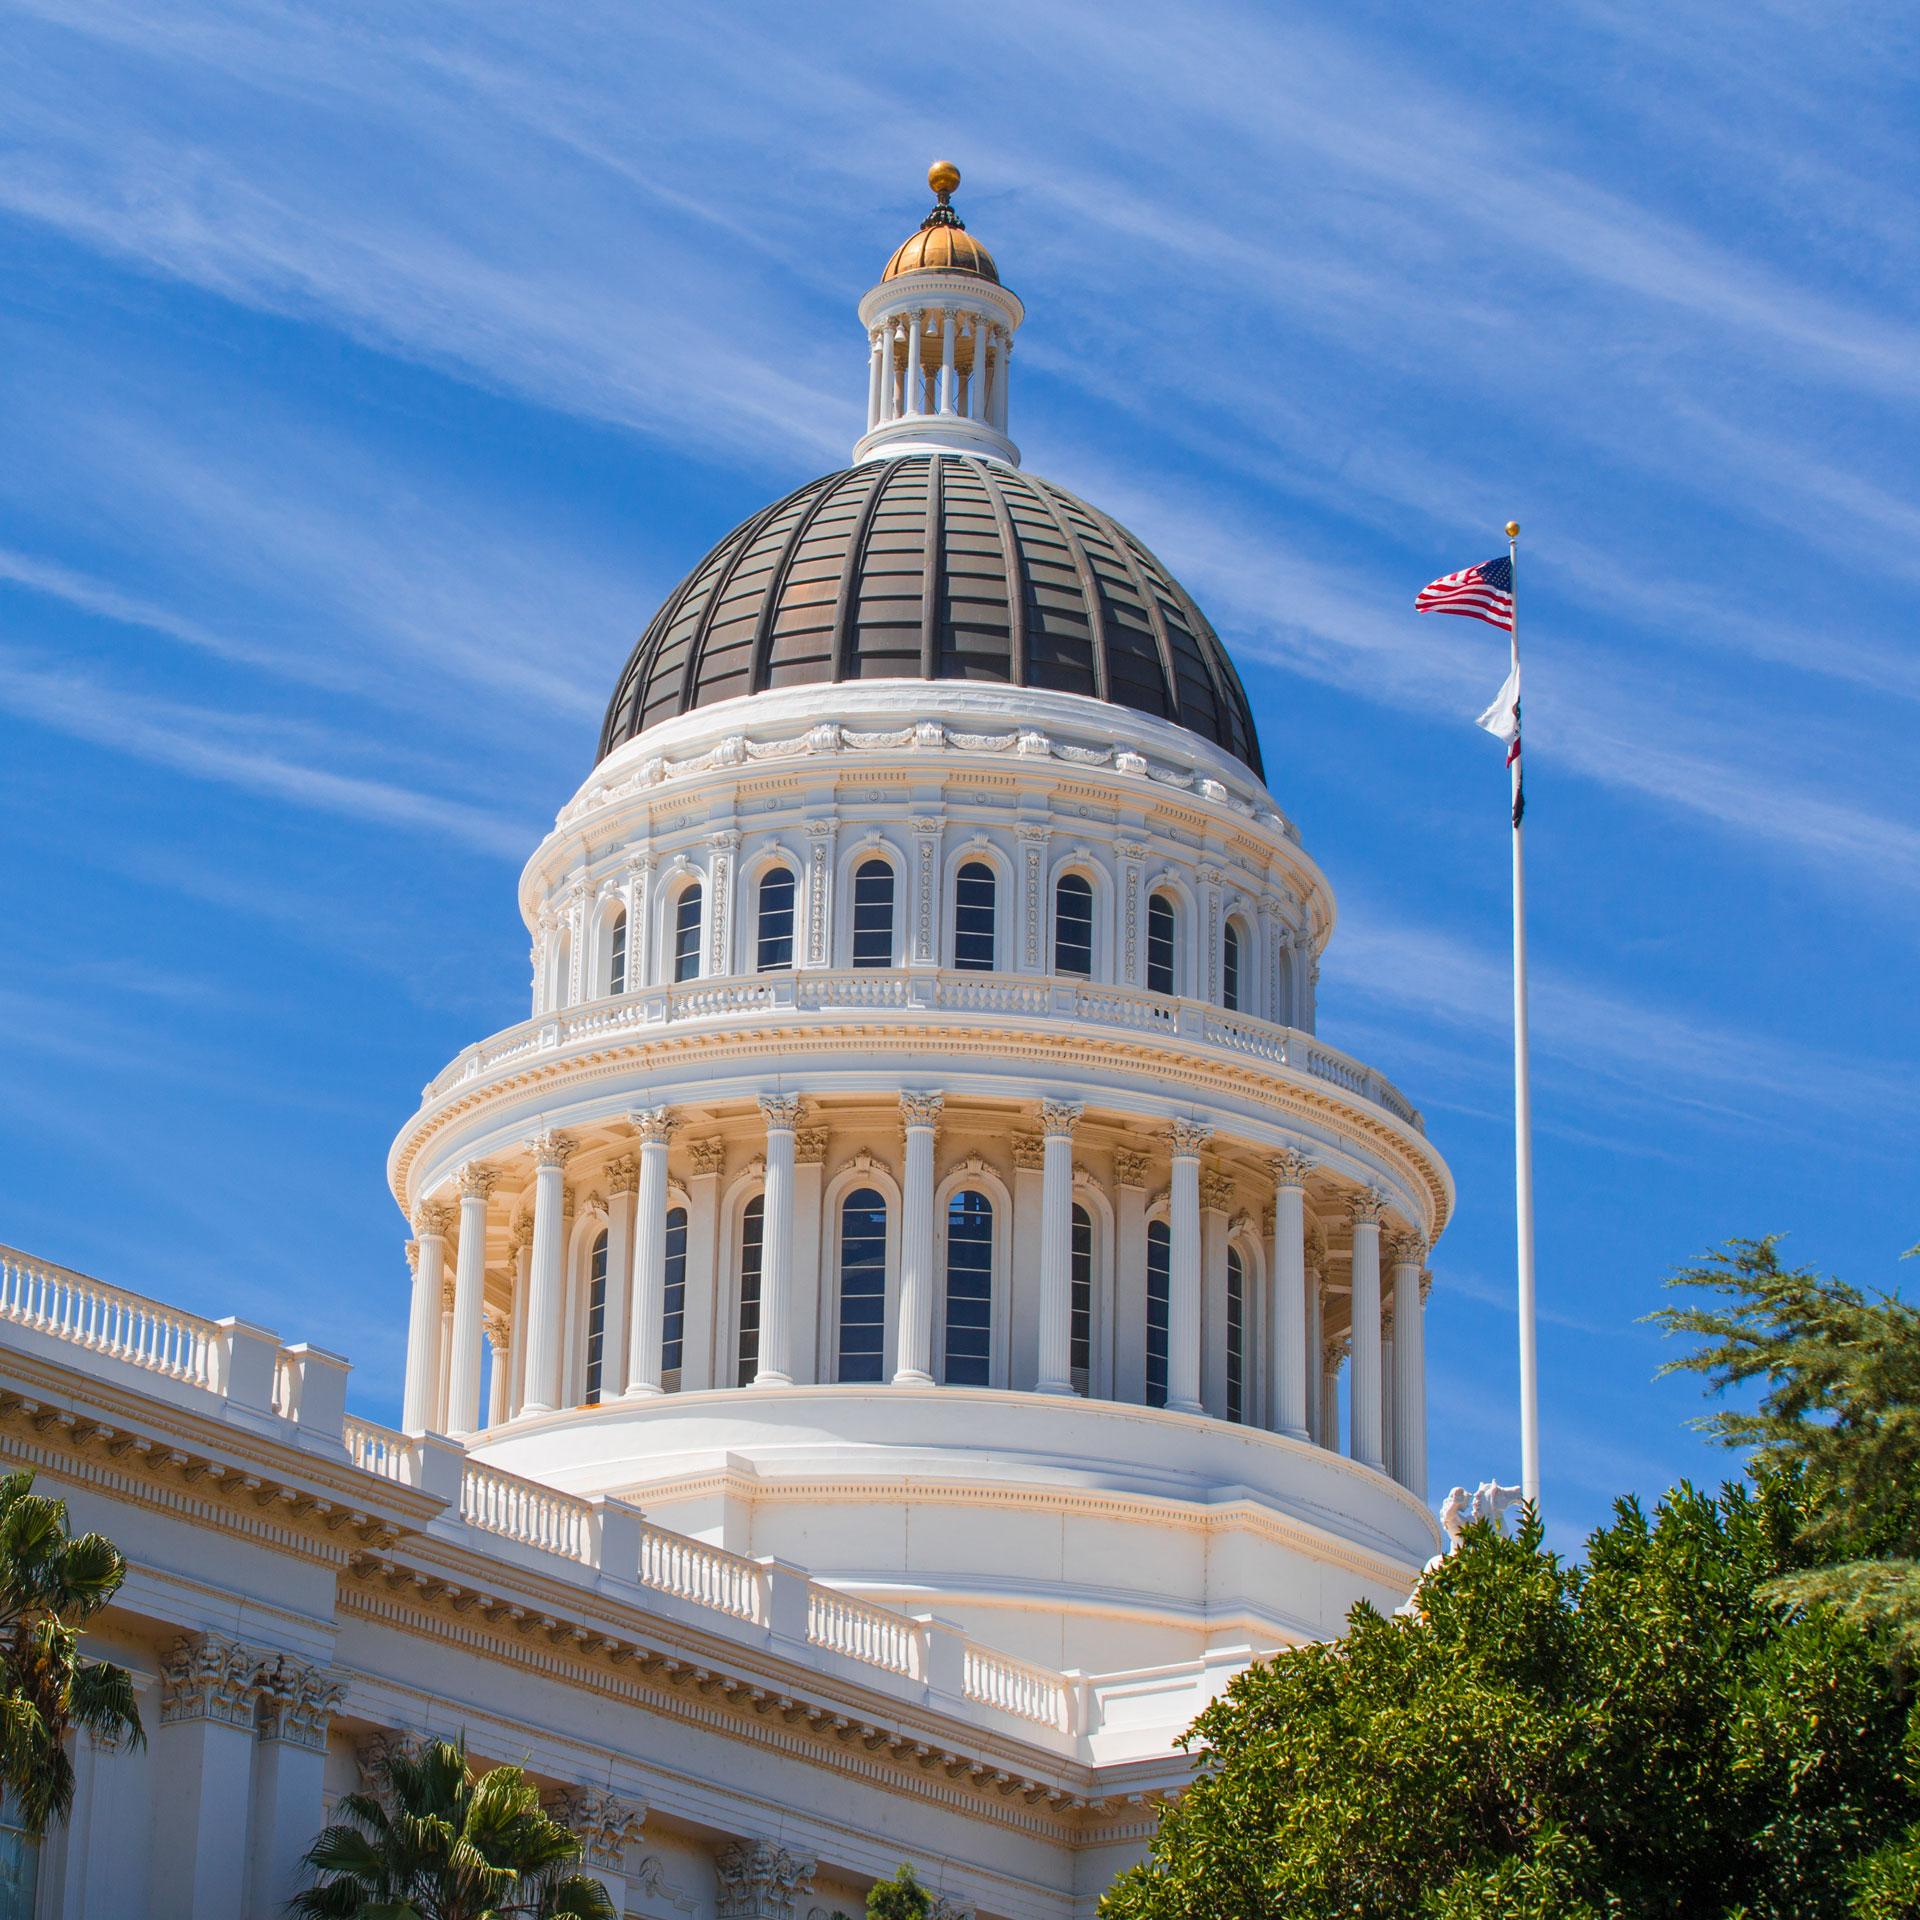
(549, 1152)
(1058, 1118)
(1184, 1141)
(920, 1115)
(469, 1290)
(1368, 1441)
(428, 1252)
(782, 1114)
(1290, 1293)
(1408, 1252)
(654, 1127)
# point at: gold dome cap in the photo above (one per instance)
(942, 244)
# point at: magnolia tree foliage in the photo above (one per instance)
(1692, 1722)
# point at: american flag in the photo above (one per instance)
(1484, 593)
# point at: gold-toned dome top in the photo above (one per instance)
(942, 244)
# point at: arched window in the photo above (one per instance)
(1236, 1335)
(973, 918)
(1073, 925)
(753, 1221)
(1080, 1328)
(773, 921)
(1230, 969)
(873, 915)
(1159, 1297)
(863, 1285)
(969, 1290)
(673, 1322)
(596, 1318)
(1161, 927)
(686, 935)
(617, 951)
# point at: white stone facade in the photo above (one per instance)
(912, 1311)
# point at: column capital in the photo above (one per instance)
(1406, 1249)
(653, 1126)
(1058, 1118)
(921, 1109)
(1216, 1191)
(297, 1701)
(1130, 1167)
(781, 1111)
(1029, 1152)
(760, 1880)
(708, 1157)
(1426, 1284)
(809, 1146)
(413, 1256)
(499, 1330)
(1290, 1168)
(623, 1173)
(446, 1294)
(1316, 1247)
(475, 1179)
(550, 1148)
(432, 1220)
(206, 1676)
(522, 1234)
(1185, 1138)
(1338, 1346)
(1367, 1207)
(602, 1822)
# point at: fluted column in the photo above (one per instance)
(1317, 1428)
(1058, 1118)
(544, 1304)
(782, 1114)
(469, 1299)
(1289, 1327)
(615, 1335)
(500, 1344)
(521, 1257)
(428, 1253)
(874, 380)
(913, 396)
(920, 1115)
(1408, 1252)
(653, 1126)
(1367, 1442)
(443, 1360)
(1184, 1142)
(1332, 1353)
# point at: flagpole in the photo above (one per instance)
(1523, 1110)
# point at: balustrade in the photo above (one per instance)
(1017, 1687)
(860, 1630)
(108, 1320)
(526, 1511)
(707, 1576)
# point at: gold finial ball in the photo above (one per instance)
(1513, 529)
(943, 176)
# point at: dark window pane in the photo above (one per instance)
(1160, 935)
(1230, 969)
(1073, 926)
(1236, 1336)
(863, 1285)
(673, 1323)
(617, 954)
(1080, 1336)
(873, 914)
(1159, 1294)
(752, 1236)
(969, 1290)
(973, 918)
(774, 920)
(686, 935)
(596, 1318)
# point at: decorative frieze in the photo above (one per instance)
(760, 1880)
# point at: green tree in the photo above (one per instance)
(901, 1898)
(1841, 1402)
(1711, 1715)
(51, 1582)
(442, 1843)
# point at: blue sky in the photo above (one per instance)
(375, 372)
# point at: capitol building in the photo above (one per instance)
(911, 1307)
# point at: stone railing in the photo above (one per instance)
(525, 1510)
(108, 1320)
(828, 991)
(730, 1583)
(1019, 1688)
(376, 1449)
(876, 1636)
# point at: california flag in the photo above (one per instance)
(1502, 719)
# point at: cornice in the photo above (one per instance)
(1087, 1049)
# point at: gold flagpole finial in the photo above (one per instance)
(1513, 529)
